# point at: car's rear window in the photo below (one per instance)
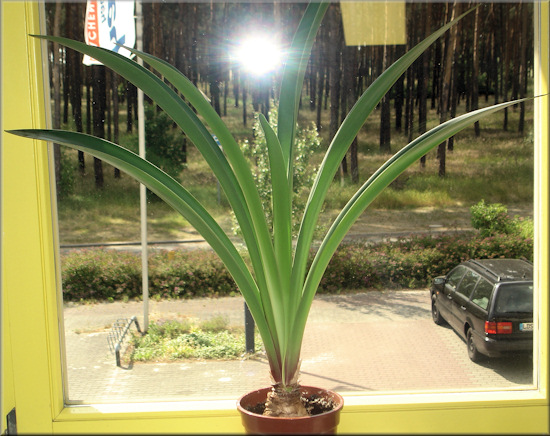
(514, 298)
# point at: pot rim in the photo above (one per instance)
(335, 395)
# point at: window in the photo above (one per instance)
(455, 276)
(482, 293)
(514, 298)
(29, 279)
(468, 283)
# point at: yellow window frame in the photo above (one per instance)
(31, 345)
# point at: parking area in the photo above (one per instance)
(379, 341)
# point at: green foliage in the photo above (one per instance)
(172, 339)
(413, 262)
(307, 142)
(524, 227)
(215, 324)
(492, 219)
(164, 144)
(100, 275)
(66, 180)
(181, 274)
(406, 263)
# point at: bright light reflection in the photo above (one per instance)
(259, 55)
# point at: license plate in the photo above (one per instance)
(526, 326)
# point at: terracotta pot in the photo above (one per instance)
(324, 423)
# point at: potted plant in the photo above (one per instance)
(278, 287)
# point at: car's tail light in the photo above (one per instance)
(498, 328)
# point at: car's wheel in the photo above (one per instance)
(436, 315)
(473, 353)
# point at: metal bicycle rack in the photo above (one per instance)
(117, 334)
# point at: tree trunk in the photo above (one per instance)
(454, 74)
(423, 81)
(108, 120)
(351, 91)
(88, 72)
(66, 86)
(243, 88)
(450, 47)
(346, 84)
(194, 47)
(321, 73)
(495, 56)
(475, 68)
(398, 103)
(98, 85)
(385, 108)
(129, 107)
(525, 44)
(114, 82)
(506, 66)
(214, 59)
(74, 64)
(334, 68)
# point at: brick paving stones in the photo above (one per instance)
(368, 342)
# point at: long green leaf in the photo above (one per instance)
(293, 79)
(386, 174)
(282, 218)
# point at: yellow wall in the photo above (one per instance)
(32, 379)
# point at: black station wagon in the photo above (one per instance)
(489, 302)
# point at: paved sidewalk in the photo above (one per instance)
(375, 341)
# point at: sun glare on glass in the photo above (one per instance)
(259, 55)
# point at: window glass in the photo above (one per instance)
(98, 206)
(482, 293)
(514, 298)
(455, 276)
(468, 283)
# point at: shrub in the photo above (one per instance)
(307, 142)
(412, 262)
(490, 219)
(406, 263)
(66, 182)
(184, 274)
(165, 144)
(100, 275)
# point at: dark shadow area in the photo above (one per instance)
(516, 368)
(402, 304)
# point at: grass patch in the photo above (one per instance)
(169, 340)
